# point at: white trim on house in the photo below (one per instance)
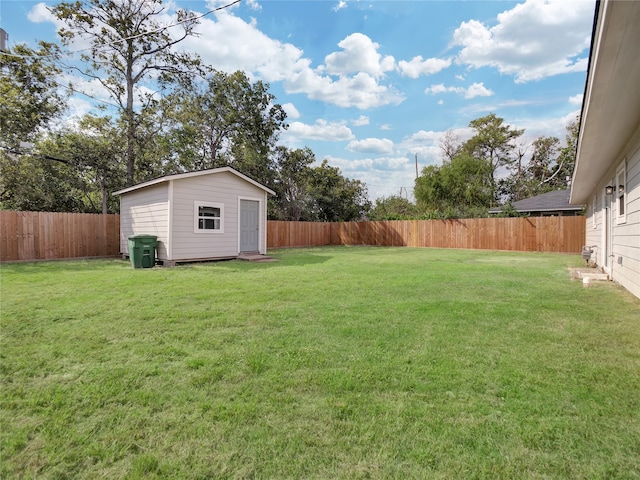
(621, 198)
(169, 245)
(197, 204)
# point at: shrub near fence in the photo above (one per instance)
(535, 234)
(47, 235)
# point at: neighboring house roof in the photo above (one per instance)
(179, 176)
(557, 200)
(611, 105)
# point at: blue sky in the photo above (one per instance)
(370, 84)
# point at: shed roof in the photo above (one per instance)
(179, 176)
(547, 202)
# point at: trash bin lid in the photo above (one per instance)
(142, 236)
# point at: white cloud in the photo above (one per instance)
(350, 78)
(383, 176)
(417, 66)
(474, 90)
(440, 102)
(291, 110)
(78, 108)
(253, 5)
(275, 61)
(426, 144)
(321, 130)
(547, 126)
(361, 91)
(341, 4)
(40, 14)
(359, 54)
(386, 126)
(213, 4)
(380, 146)
(361, 121)
(440, 88)
(576, 99)
(534, 40)
(477, 90)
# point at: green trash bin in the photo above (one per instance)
(142, 250)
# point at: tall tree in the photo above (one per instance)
(228, 121)
(457, 188)
(337, 198)
(29, 95)
(293, 198)
(393, 207)
(128, 46)
(29, 101)
(96, 156)
(493, 142)
(550, 167)
(450, 146)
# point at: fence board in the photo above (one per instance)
(534, 234)
(47, 235)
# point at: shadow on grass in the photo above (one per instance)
(281, 261)
(63, 265)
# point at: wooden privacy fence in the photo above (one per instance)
(46, 235)
(534, 234)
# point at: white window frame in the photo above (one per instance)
(196, 217)
(621, 193)
(594, 209)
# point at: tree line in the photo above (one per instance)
(197, 118)
(495, 167)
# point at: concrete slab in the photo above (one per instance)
(593, 274)
(256, 257)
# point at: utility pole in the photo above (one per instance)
(4, 39)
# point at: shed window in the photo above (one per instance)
(208, 217)
(621, 193)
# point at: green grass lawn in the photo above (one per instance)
(346, 362)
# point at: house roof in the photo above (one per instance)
(611, 105)
(179, 176)
(547, 202)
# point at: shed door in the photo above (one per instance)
(249, 226)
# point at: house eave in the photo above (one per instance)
(608, 118)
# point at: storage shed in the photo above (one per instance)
(206, 215)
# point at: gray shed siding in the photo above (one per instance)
(145, 211)
(624, 264)
(222, 188)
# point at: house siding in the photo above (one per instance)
(222, 188)
(145, 211)
(624, 265)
